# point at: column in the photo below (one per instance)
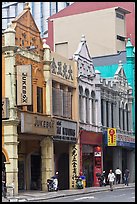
(47, 160)
(96, 113)
(130, 117)
(104, 113)
(10, 126)
(11, 145)
(47, 76)
(131, 165)
(117, 159)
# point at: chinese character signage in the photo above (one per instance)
(111, 137)
(24, 85)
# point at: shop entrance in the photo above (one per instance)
(87, 160)
(35, 172)
(63, 168)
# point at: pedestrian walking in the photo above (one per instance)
(111, 179)
(118, 175)
(126, 177)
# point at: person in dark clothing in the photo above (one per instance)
(126, 177)
(3, 184)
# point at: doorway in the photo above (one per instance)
(35, 172)
(63, 168)
(87, 160)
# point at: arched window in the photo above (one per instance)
(107, 114)
(87, 106)
(80, 102)
(93, 107)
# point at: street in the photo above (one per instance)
(118, 195)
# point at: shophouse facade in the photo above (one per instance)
(91, 137)
(119, 17)
(105, 104)
(36, 136)
(110, 62)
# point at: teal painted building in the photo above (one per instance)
(107, 65)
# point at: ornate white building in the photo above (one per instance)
(104, 103)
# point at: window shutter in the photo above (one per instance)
(57, 101)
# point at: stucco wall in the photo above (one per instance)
(97, 26)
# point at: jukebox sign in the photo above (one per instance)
(111, 137)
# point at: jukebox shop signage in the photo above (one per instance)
(37, 124)
(24, 85)
(66, 130)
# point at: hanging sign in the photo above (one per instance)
(111, 137)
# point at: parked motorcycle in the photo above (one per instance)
(52, 184)
(79, 183)
(101, 179)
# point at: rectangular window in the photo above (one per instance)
(112, 115)
(118, 15)
(39, 100)
(121, 38)
(57, 101)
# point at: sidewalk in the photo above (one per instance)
(34, 195)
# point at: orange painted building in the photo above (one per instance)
(35, 82)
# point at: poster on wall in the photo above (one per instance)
(24, 85)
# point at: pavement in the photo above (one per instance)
(37, 196)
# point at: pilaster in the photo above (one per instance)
(47, 160)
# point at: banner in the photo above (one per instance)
(24, 85)
(112, 137)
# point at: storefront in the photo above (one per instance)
(33, 131)
(90, 156)
(64, 145)
(121, 155)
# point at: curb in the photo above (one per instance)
(82, 191)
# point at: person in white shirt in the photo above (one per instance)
(118, 175)
(111, 179)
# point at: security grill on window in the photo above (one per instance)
(61, 102)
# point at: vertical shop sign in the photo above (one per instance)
(24, 85)
(74, 165)
(112, 137)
